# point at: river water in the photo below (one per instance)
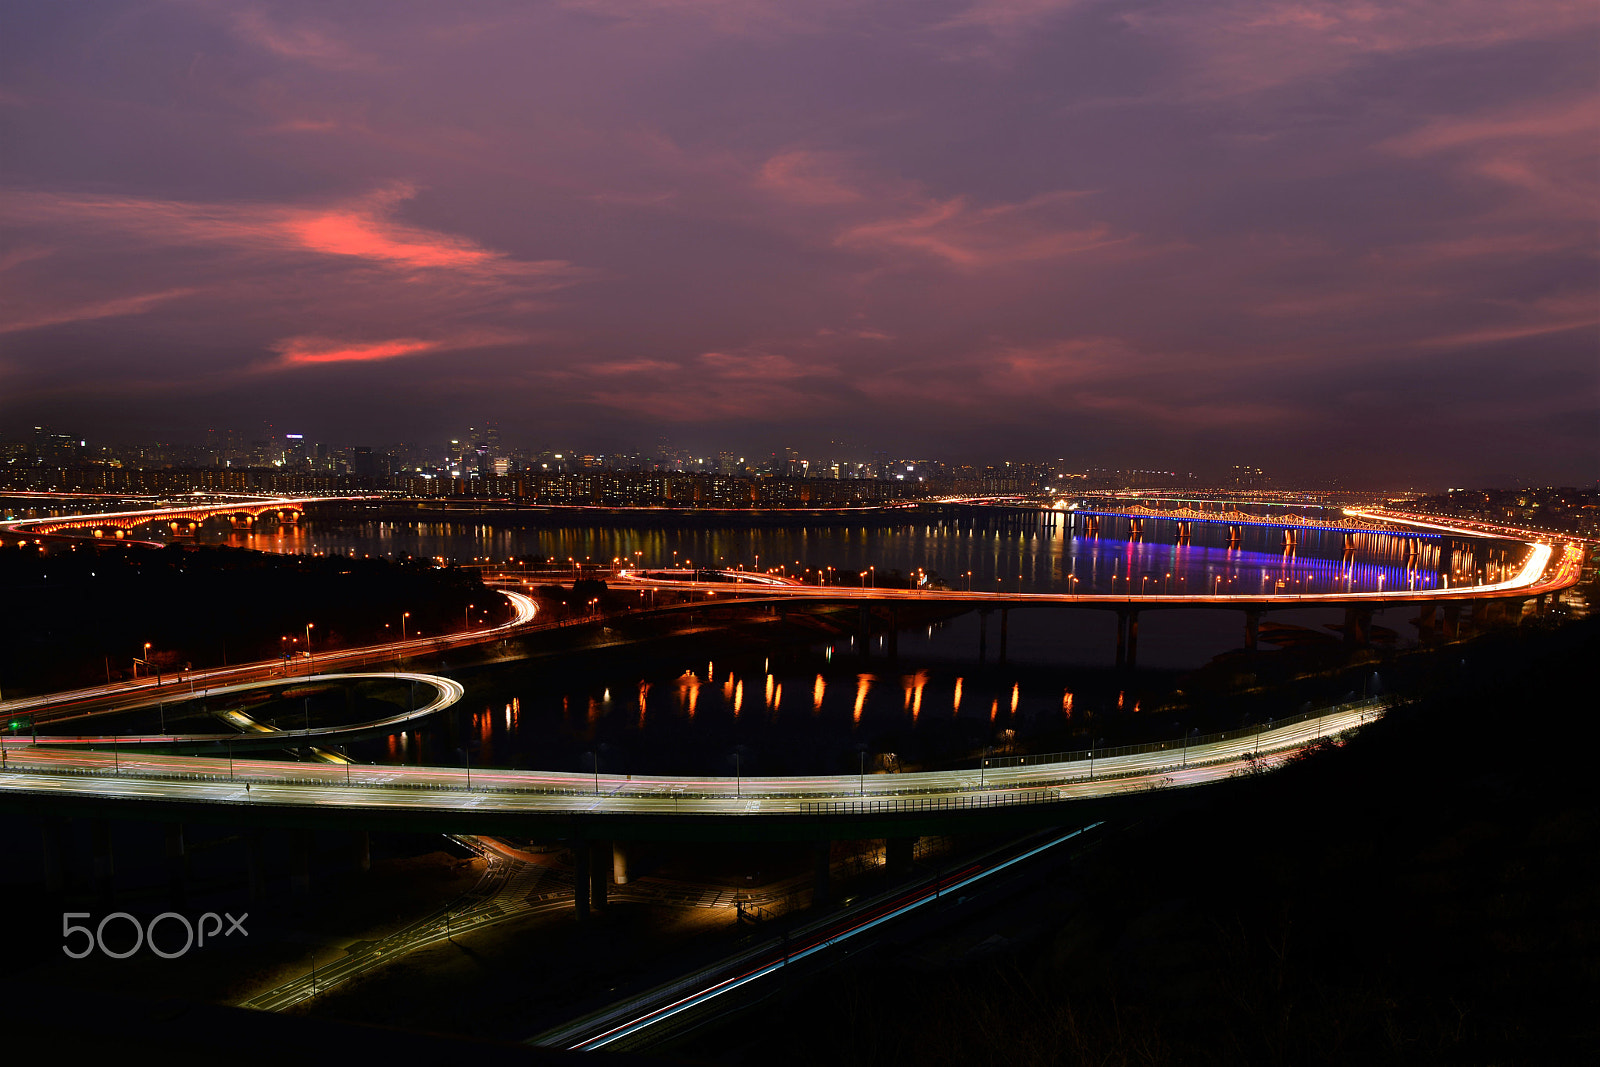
(826, 709)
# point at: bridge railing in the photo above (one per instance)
(958, 796)
(1177, 744)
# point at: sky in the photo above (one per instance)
(1346, 238)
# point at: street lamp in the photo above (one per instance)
(309, 625)
(403, 617)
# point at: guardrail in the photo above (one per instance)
(1179, 744)
(963, 795)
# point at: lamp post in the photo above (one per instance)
(309, 625)
(403, 617)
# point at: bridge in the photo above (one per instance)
(445, 693)
(594, 810)
(1545, 572)
(181, 518)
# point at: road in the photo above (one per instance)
(1544, 571)
(149, 776)
(445, 693)
(135, 693)
(679, 1001)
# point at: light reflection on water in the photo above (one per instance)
(936, 703)
(1050, 559)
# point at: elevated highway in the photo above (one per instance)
(441, 693)
(243, 512)
(139, 692)
(1029, 790)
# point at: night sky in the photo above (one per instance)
(1328, 238)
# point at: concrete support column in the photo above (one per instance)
(57, 875)
(983, 634)
(894, 633)
(864, 627)
(1122, 637)
(300, 863)
(1514, 608)
(897, 852)
(363, 851)
(1452, 620)
(1424, 620)
(1252, 629)
(599, 873)
(177, 863)
(619, 864)
(256, 863)
(822, 874)
(104, 867)
(581, 871)
(1357, 627)
(1133, 638)
(1005, 619)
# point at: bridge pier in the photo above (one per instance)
(864, 630)
(1424, 622)
(1452, 620)
(177, 864)
(1252, 629)
(894, 633)
(600, 860)
(1136, 529)
(581, 870)
(897, 853)
(983, 634)
(1122, 637)
(104, 865)
(362, 843)
(1235, 535)
(619, 864)
(1357, 627)
(255, 853)
(1133, 639)
(821, 874)
(57, 873)
(300, 864)
(1005, 618)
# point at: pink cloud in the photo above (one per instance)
(100, 309)
(1244, 46)
(958, 235)
(1550, 315)
(310, 350)
(302, 40)
(1546, 151)
(363, 228)
(807, 178)
(886, 215)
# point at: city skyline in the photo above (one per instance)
(1342, 240)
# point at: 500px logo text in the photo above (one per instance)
(170, 923)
